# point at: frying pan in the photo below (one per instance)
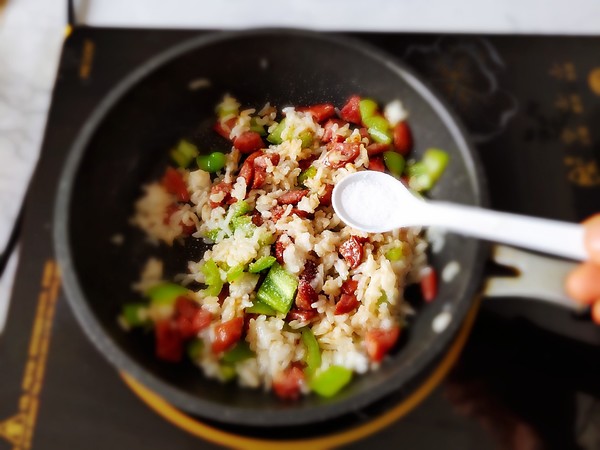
(124, 144)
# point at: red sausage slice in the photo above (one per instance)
(227, 334)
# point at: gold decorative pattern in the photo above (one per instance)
(87, 58)
(569, 103)
(583, 172)
(564, 71)
(594, 80)
(579, 135)
(18, 429)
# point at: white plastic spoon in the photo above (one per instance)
(376, 202)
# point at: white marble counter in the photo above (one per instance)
(463, 16)
(32, 31)
(31, 34)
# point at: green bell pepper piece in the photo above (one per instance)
(260, 308)
(240, 208)
(382, 299)
(278, 289)
(211, 272)
(240, 352)
(133, 314)
(227, 372)
(419, 177)
(194, 348)
(381, 137)
(184, 153)
(266, 238)
(379, 129)
(435, 162)
(165, 293)
(243, 223)
(260, 129)
(212, 278)
(310, 172)
(307, 139)
(275, 136)
(394, 254)
(313, 352)
(262, 263)
(212, 234)
(235, 272)
(331, 381)
(394, 162)
(367, 108)
(226, 111)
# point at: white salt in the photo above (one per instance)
(365, 203)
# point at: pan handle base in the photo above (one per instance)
(538, 278)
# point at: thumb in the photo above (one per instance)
(592, 238)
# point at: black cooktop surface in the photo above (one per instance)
(531, 105)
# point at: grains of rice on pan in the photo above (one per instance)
(286, 293)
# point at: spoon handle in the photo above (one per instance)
(544, 235)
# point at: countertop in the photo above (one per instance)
(32, 32)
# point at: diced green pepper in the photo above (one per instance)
(278, 289)
(379, 129)
(194, 348)
(307, 139)
(212, 163)
(240, 208)
(212, 234)
(212, 278)
(394, 162)
(227, 110)
(165, 293)
(134, 314)
(262, 263)
(306, 174)
(367, 108)
(227, 372)
(235, 272)
(377, 122)
(266, 238)
(184, 153)
(382, 299)
(260, 129)
(275, 136)
(211, 272)
(260, 308)
(243, 223)
(331, 381)
(213, 290)
(313, 352)
(419, 178)
(240, 352)
(394, 254)
(381, 137)
(435, 161)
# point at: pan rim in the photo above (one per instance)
(188, 402)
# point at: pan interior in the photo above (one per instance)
(129, 146)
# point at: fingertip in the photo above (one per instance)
(574, 285)
(596, 312)
(592, 237)
(583, 284)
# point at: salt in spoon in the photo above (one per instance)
(376, 202)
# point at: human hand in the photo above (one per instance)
(583, 284)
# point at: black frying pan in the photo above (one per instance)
(124, 145)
